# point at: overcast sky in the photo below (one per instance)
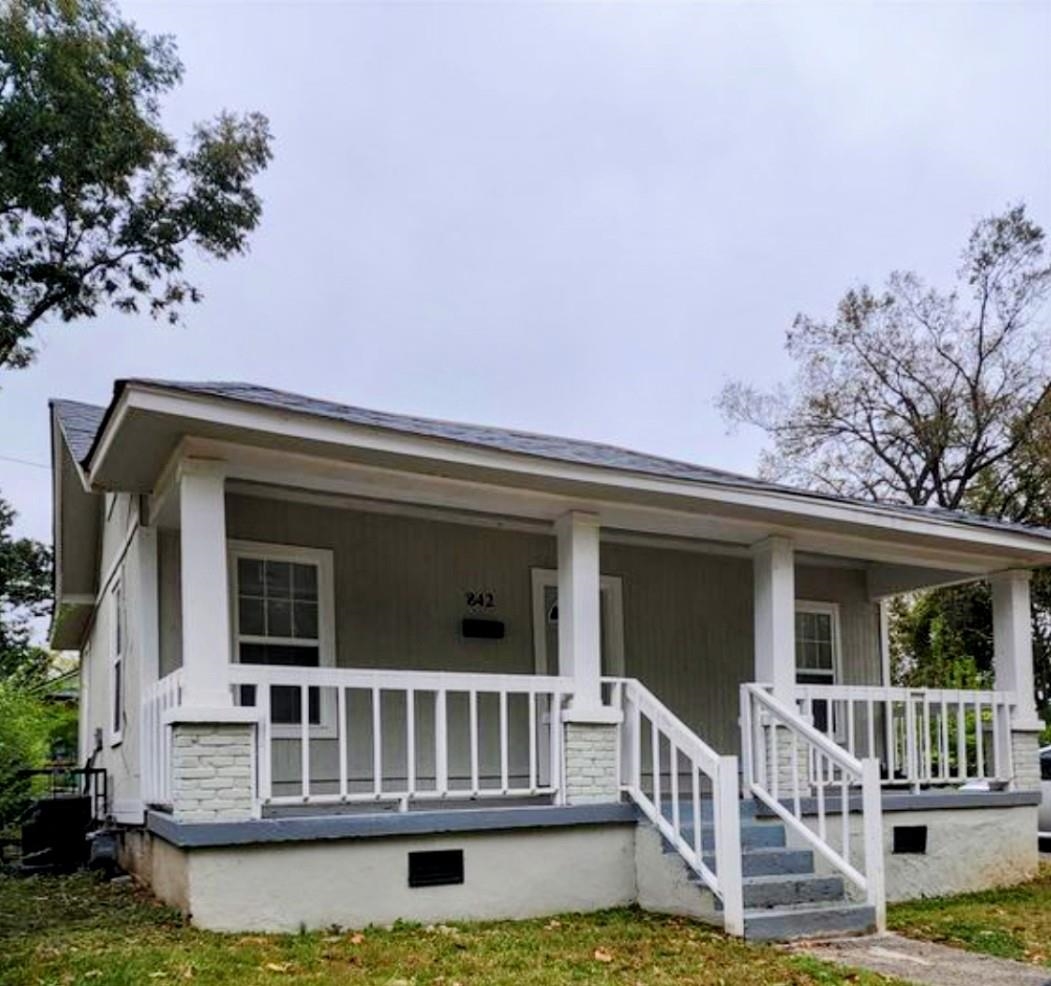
(574, 218)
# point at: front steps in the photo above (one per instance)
(784, 897)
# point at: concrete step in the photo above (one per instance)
(772, 861)
(809, 921)
(748, 808)
(753, 836)
(782, 890)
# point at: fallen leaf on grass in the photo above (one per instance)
(278, 966)
(601, 955)
(357, 938)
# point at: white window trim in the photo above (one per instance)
(825, 609)
(322, 558)
(612, 587)
(118, 634)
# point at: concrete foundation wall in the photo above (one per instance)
(354, 884)
(968, 849)
(166, 868)
(532, 872)
(663, 881)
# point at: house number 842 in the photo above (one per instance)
(480, 600)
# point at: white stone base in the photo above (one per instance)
(591, 763)
(212, 771)
(1025, 758)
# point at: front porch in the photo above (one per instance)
(331, 656)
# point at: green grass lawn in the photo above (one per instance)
(74, 930)
(1014, 923)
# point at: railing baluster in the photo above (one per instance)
(655, 757)
(928, 759)
(870, 722)
(911, 756)
(891, 730)
(850, 725)
(377, 745)
(504, 782)
(304, 740)
(472, 701)
(943, 746)
(344, 735)
(262, 701)
(822, 829)
(410, 742)
(532, 742)
(961, 740)
(673, 753)
(979, 743)
(796, 804)
(695, 783)
(441, 757)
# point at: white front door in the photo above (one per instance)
(545, 643)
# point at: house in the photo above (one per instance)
(345, 667)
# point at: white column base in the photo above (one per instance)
(212, 765)
(590, 771)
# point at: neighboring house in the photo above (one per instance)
(345, 667)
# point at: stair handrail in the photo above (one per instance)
(762, 718)
(666, 729)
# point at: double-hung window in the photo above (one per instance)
(817, 651)
(119, 643)
(282, 615)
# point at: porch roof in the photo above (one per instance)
(85, 426)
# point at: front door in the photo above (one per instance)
(545, 623)
(545, 643)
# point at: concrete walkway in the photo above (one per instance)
(924, 963)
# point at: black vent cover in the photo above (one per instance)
(436, 868)
(910, 839)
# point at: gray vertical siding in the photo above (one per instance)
(400, 585)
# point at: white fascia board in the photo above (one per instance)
(307, 427)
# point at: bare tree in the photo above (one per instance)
(916, 395)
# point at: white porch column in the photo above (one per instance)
(775, 616)
(205, 598)
(590, 773)
(579, 609)
(1013, 644)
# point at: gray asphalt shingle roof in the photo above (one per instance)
(81, 423)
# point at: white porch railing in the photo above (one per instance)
(786, 760)
(402, 736)
(156, 749)
(689, 792)
(922, 736)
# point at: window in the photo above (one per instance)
(282, 616)
(817, 651)
(119, 635)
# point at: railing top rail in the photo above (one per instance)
(686, 739)
(164, 683)
(397, 680)
(903, 692)
(790, 718)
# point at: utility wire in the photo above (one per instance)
(23, 462)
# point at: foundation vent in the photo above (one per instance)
(910, 839)
(436, 868)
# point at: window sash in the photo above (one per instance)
(302, 576)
